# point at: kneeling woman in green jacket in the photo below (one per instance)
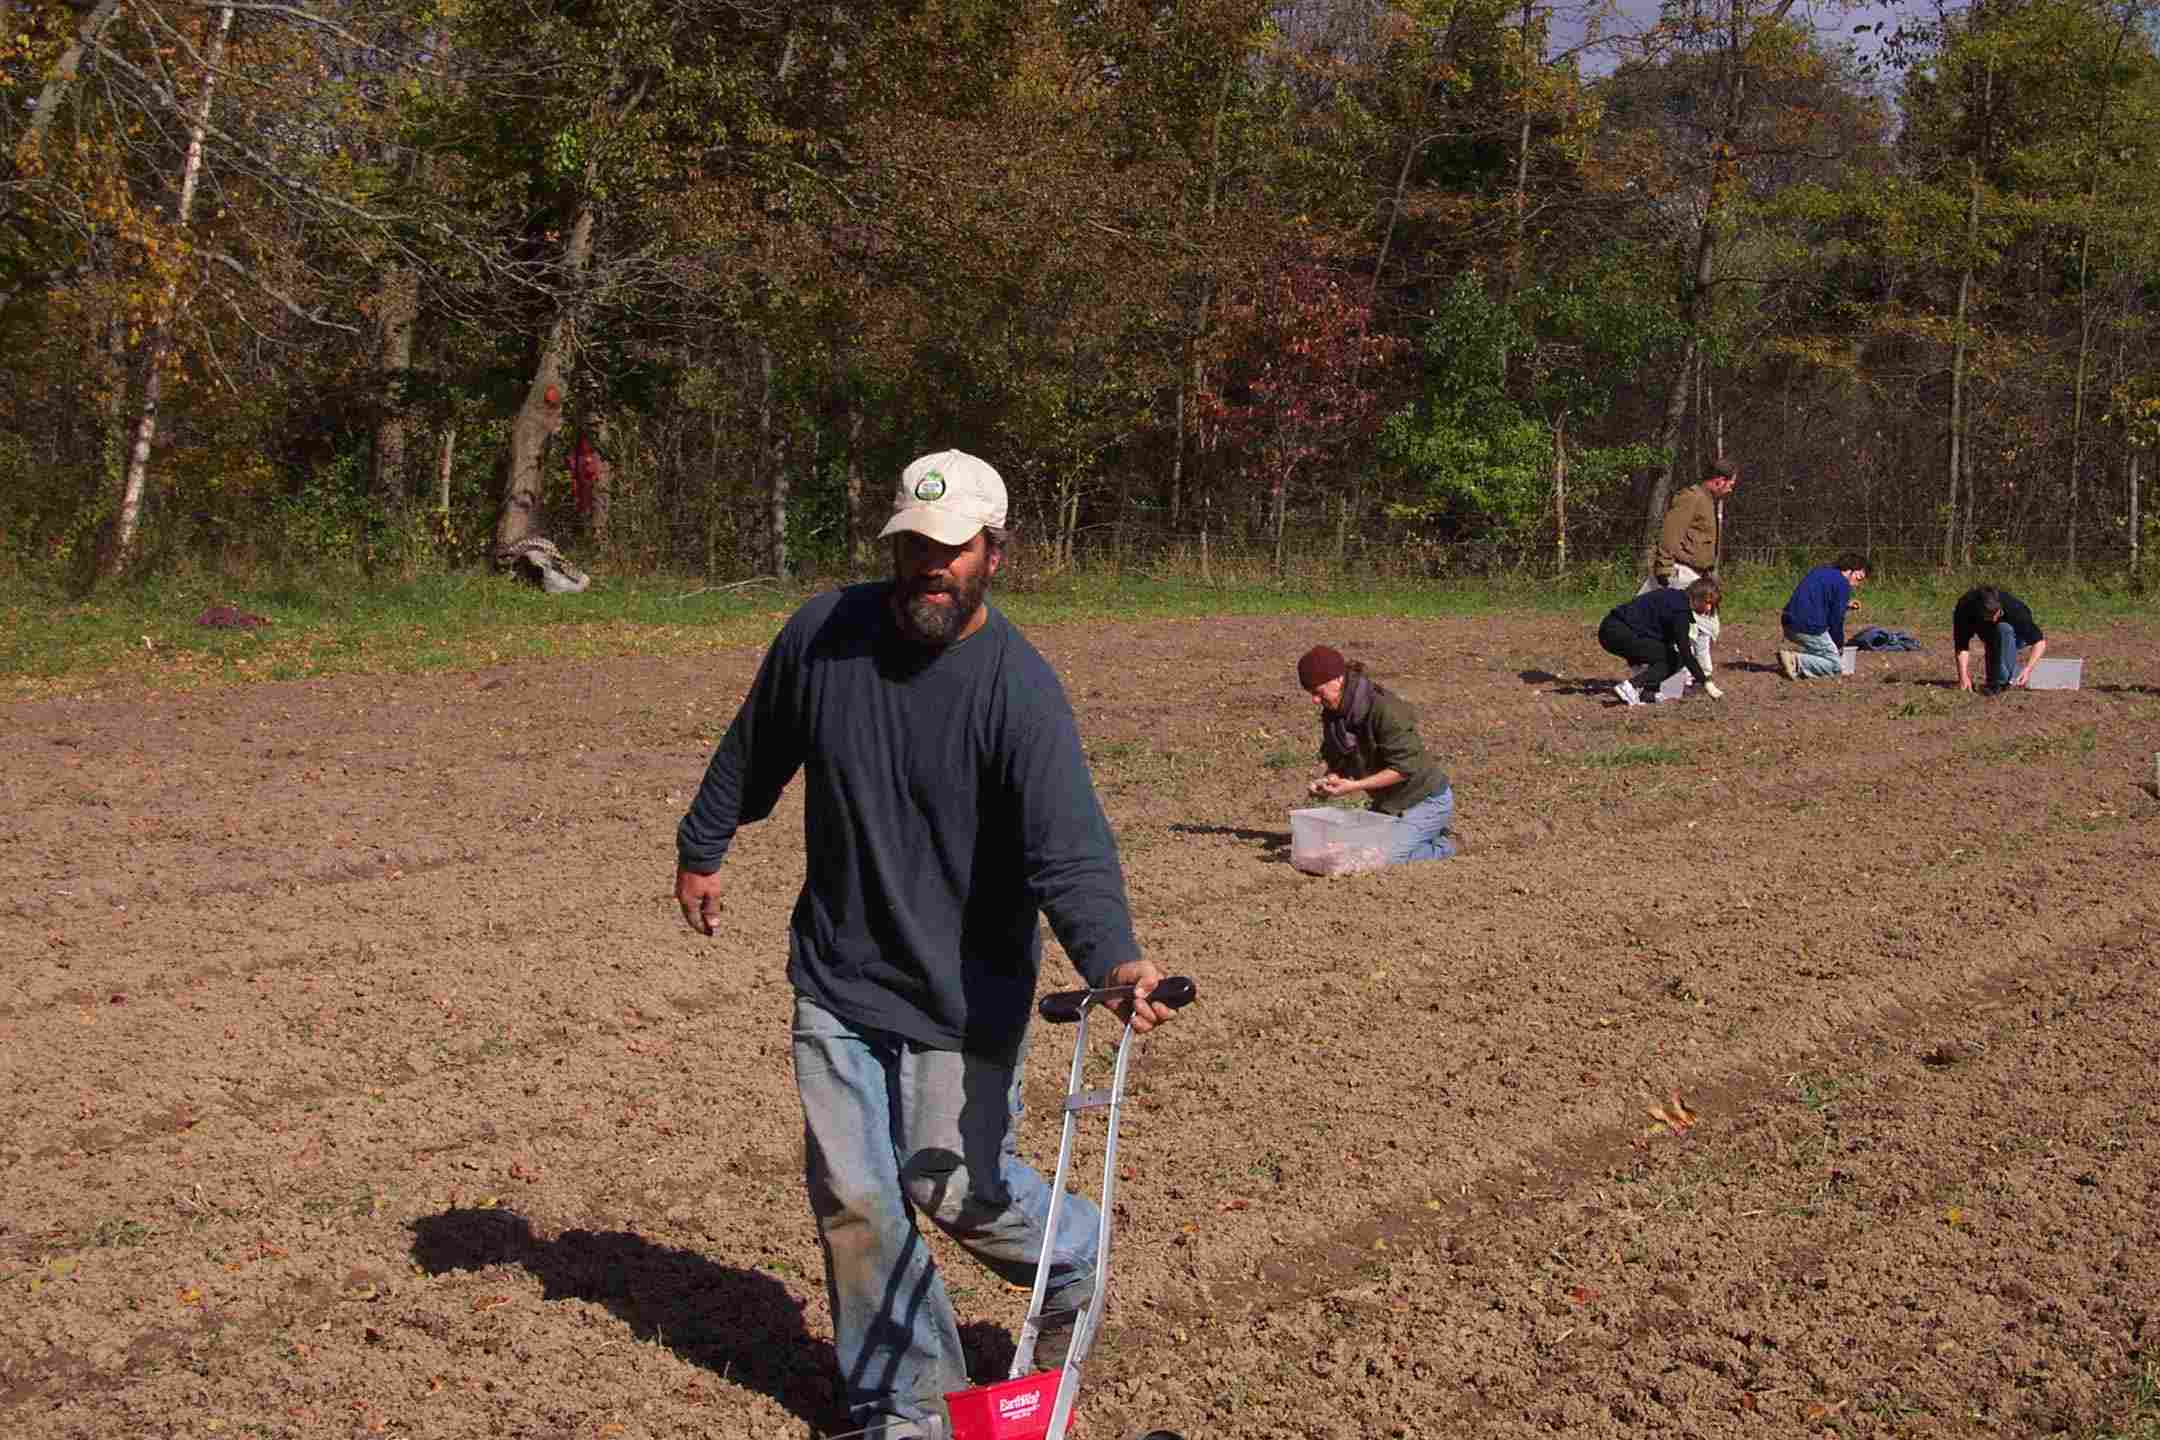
(1369, 743)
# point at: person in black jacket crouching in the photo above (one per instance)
(1651, 632)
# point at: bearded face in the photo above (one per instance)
(938, 590)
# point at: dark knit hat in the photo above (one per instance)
(1319, 665)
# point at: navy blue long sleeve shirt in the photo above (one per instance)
(1967, 618)
(1664, 614)
(947, 808)
(1819, 603)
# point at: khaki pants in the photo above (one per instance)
(1704, 632)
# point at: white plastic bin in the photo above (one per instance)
(1847, 658)
(1329, 841)
(1675, 685)
(2049, 673)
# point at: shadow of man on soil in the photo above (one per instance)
(1274, 844)
(743, 1326)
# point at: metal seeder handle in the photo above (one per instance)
(1066, 1006)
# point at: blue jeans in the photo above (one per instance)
(892, 1128)
(1422, 835)
(2002, 651)
(1819, 655)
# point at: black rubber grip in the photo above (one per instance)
(1066, 1006)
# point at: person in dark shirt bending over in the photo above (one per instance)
(2005, 626)
(1652, 631)
(946, 806)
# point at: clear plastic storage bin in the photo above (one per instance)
(2052, 674)
(1329, 841)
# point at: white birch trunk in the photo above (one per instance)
(57, 83)
(1559, 483)
(128, 522)
(2137, 527)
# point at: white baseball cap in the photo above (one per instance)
(948, 497)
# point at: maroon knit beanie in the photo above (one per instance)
(1319, 665)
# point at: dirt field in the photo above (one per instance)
(360, 1078)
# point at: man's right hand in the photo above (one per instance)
(699, 896)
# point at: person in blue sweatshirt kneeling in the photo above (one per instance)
(1814, 618)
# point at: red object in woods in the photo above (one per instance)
(585, 463)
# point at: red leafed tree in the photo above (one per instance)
(1298, 384)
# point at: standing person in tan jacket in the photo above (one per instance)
(1687, 551)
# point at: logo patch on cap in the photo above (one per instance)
(930, 487)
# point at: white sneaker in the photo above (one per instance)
(1628, 694)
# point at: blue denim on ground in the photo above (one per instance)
(1421, 835)
(2002, 651)
(1819, 657)
(892, 1128)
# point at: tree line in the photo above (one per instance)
(1417, 286)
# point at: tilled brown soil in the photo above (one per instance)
(359, 1077)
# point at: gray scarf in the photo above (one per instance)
(1340, 729)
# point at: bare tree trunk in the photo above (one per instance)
(107, 358)
(776, 495)
(857, 523)
(1733, 113)
(1661, 489)
(1277, 521)
(1960, 464)
(54, 95)
(712, 501)
(1972, 492)
(2137, 572)
(1513, 281)
(769, 443)
(1183, 423)
(1444, 53)
(1559, 483)
(129, 519)
(540, 417)
(442, 468)
(398, 308)
(2130, 19)
(1190, 373)
(1695, 431)
(1676, 398)
(2077, 405)
(2084, 364)
(1123, 541)
(603, 483)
